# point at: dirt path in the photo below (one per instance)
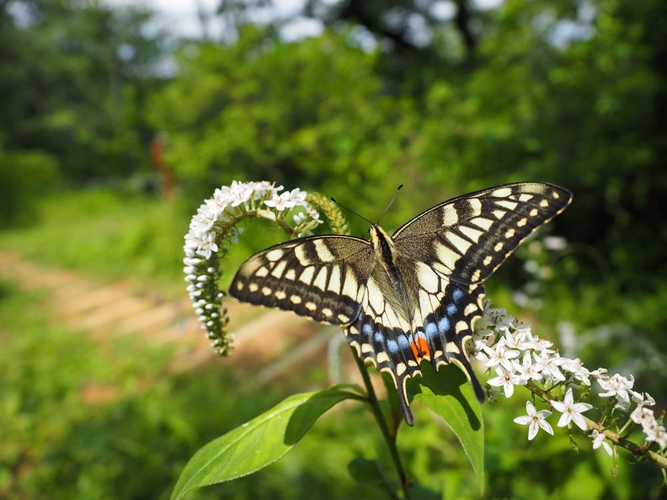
(268, 343)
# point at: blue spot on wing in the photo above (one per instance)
(403, 342)
(392, 345)
(457, 295)
(451, 309)
(431, 330)
(379, 338)
(444, 325)
(367, 329)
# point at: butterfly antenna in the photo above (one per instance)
(391, 202)
(361, 216)
(350, 210)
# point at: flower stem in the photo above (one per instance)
(384, 428)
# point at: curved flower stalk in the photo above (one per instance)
(519, 358)
(215, 227)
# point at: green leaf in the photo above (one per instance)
(450, 396)
(259, 442)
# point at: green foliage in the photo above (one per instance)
(309, 113)
(77, 76)
(110, 234)
(24, 178)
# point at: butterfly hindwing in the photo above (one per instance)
(321, 277)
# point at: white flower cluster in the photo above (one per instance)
(518, 357)
(214, 226)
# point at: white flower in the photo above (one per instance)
(599, 439)
(535, 420)
(657, 434)
(241, 192)
(280, 202)
(528, 370)
(549, 366)
(571, 411)
(507, 380)
(577, 368)
(207, 245)
(644, 417)
(617, 385)
(500, 355)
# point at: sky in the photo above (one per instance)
(180, 16)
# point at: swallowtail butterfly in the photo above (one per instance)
(410, 296)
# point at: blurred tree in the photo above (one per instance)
(308, 114)
(74, 80)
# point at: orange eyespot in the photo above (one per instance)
(420, 347)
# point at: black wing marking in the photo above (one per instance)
(321, 277)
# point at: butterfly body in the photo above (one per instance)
(410, 296)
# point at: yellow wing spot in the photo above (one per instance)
(280, 295)
(343, 318)
(452, 347)
(239, 286)
(327, 312)
(278, 270)
(400, 369)
(459, 243)
(522, 222)
(483, 222)
(266, 291)
(544, 203)
(475, 206)
(534, 212)
(321, 279)
(461, 326)
(311, 306)
(307, 275)
(295, 299)
(487, 260)
(470, 309)
(275, 254)
(366, 348)
(508, 204)
(471, 232)
(290, 275)
(525, 197)
(498, 246)
(253, 287)
(498, 214)
(262, 272)
(302, 256)
(323, 252)
(382, 357)
(502, 192)
(510, 233)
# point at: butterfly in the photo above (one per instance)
(414, 295)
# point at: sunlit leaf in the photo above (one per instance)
(259, 442)
(450, 396)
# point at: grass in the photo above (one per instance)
(105, 419)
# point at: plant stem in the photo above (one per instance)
(384, 428)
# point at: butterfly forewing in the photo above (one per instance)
(321, 277)
(413, 296)
(467, 238)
